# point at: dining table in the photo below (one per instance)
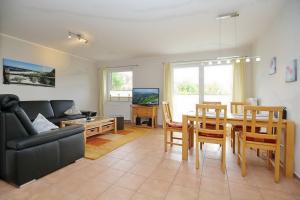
(288, 144)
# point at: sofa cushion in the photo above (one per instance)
(33, 108)
(60, 107)
(70, 117)
(41, 124)
(57, 121)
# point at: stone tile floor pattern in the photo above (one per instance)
(141, 170)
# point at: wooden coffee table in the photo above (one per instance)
(98, 125)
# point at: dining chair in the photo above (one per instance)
(211, 129)
(170, 126)
(236, 108)
(268, 140)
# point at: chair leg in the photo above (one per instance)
(257, 153)
(239, 152)
(224, 157)
(243, 159)
(197, 153)
(201, 146)
(277, 165)
(171, 138)
(233, 141)
(269, 157)
(165, 139)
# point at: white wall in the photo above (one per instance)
(76, 78)
(149, 73)
(281, 39)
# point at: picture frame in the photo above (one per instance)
(291, 71)
(23, 73)
(273, 66)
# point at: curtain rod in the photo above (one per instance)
(122, 66)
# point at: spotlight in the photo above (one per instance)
(228, 61)
(248, 60)
(237, 60)
(219, 62)
(257, 59)
(210, 62)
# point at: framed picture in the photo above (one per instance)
(273, 64)
(22, 73)
(291, 71)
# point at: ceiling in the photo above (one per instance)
(118, 29)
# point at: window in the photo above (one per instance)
(120, 86)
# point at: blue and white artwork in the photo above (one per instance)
(17, 72)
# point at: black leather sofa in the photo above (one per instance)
(53, 110)
(25, 154)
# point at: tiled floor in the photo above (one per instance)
(141, 170)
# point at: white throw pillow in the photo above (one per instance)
(74, 110)
(41, 124)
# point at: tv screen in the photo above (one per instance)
(145, 96)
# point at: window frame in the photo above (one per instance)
(109, 86)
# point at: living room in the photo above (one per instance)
(197, 57)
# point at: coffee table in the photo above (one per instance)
(97, 125)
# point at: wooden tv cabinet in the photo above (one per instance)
(146, 112)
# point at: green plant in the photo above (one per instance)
(187, 88)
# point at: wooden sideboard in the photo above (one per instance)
(146, 112)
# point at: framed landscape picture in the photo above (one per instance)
(272, 68)
(17, 72)
(291, 71)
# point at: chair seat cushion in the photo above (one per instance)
(238, 128)
(174, 124)
(253, 139)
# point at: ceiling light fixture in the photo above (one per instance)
(247, 60)
(77, 36)
(257, 59)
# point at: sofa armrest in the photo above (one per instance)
(45, 137)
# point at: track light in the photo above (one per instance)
(238, 60)
(247, 60)
(257, 59)
(78, 36)
(228, 61)
(210, 62)
(219, 62)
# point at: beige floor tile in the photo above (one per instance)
(163, 174)
(110, 175)
(91, 189)
(187, 180)
(244, 192)
(206, 195)
(116, 193)
(275, 195)
(214, 186)
(142, 169)
(139, 196)
(177, 192)
(131, 181)
(155, 188)
(123, 165)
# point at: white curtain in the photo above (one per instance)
(102, 89)
(239, 78)
(168, 84)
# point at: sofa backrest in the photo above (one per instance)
(60, 106)
(33, 108)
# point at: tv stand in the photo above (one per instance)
(144, 111)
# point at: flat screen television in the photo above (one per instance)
(145, 96)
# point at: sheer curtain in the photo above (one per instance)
(102, 89)
(168, 84)
(238, 90)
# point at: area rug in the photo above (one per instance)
(100, 145)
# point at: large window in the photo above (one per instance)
(193, 83)
(120, 85)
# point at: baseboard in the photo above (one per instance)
(297, 175)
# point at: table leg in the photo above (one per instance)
(115, 126)
(185, 137)
(289, 149)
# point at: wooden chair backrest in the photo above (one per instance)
(237, 107)
(167, 117)
(272, 125)
(204, 122)
(212, 103)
